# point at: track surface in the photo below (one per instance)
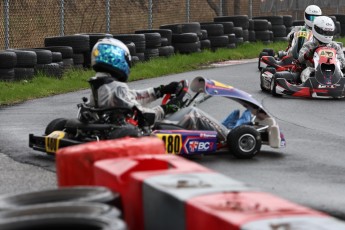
(309, 171)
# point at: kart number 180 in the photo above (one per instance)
(173, 142)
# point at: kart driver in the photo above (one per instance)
(111, 60)
(310, 13)
(323, 31)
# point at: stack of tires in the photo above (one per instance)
(8, 61)
(278, 27)
(153, 42)
(185, 37)
(205, 43)
(298, 23)
(139, 42)
(288, 23)
(165, 49)
(133, 52)
(241, 26)
(251, 31)
(80, 44)
(63, 55)
(65, 208)
(215, 34)
(46, 64)
(25, 66)
(262, 32)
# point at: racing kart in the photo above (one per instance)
(284, 61)
(326, 81)
(185, 132)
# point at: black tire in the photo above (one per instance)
(151, 53)
(153, 40)
(187, 48)
(166, 51)
(71, 207)
(66, 51)
(244, 142)
(8, 59)
(43, 56)
(57, 124)
(213, 29)
(262, 35)
(260, 24)
(21, 73)
(219, 41)
(165, 33)
(137, 39)
(56, 57)
(205, 44)
(96, 194)
(62, 221)
(25, 58)
(80, 43)
(184, 38)
(7, 74)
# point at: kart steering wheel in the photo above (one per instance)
(180, 92)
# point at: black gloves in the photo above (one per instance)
(166, 89)
(172, 106)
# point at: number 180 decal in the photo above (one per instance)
(173, 142)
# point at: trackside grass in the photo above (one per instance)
(73, 80)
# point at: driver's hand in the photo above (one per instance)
(172, 106)
(171, 88)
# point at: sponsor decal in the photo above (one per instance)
(200, 146)
(208, 135)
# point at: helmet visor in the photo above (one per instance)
(310, 17)
(323, 32)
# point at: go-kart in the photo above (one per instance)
(326, 81)
(284, 61)
(185, 132)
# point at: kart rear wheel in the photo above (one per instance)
(244, 142)
(57, 124)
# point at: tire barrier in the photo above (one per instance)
(62, 221)
(128, 175)
(26, 61)
(74, 164)
(63, 207)
(76, 193)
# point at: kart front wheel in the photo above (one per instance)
(57, 124)
(244, 142)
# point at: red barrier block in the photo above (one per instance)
(74, 165)
(126, 176)
(234, 210)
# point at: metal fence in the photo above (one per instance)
(27, 22)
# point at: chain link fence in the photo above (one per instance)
(27, 22)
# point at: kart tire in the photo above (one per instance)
(96, 194)
(57, 124)
(63, 221)
(69, 207)
(244, 142)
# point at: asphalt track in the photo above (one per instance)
(309, 171)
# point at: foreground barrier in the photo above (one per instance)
(74, 165)
(117, 174)
(160, 191)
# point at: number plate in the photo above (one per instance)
(52, 141)
(173, 142)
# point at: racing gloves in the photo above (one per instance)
(166, 89)
(172, 106)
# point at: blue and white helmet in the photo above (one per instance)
(111, 56)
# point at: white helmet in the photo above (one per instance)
(310, 13)
(323, 29)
